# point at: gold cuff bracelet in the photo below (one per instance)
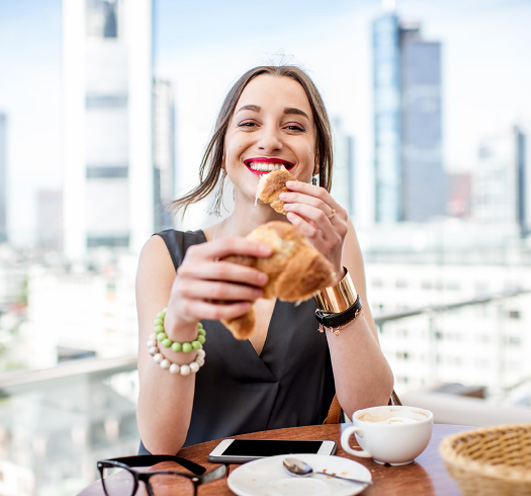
(338, 298)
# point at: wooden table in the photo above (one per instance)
(427, 476)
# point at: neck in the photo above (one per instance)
(243, 220)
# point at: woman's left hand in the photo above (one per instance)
(322, 220)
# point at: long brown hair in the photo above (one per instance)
(210, 168)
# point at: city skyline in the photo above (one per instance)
(483, 52)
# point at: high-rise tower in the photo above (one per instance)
(500, 181)
(409, 176)
(163, 152)
(3, 178)
(108, 163)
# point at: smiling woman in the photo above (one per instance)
(211, 169)
(271, 134)
(286, 373)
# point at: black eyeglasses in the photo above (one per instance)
(120, 479)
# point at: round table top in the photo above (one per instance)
(427, 475)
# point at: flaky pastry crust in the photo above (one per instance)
(296, 270)
(271, 185)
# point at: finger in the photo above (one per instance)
(228, 246)
(310, 213)
(223, 271)
(313, 196)
(309, 229)
(312, 201)
(324, 239)
(216, 310)
(218, 290)
(310, 190)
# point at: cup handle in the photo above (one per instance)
(345, 438)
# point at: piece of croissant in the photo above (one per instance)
(296, 270)
(271, 185)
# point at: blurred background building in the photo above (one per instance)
(163, 153)
(501, 192)
(3, 177)
(344, 184)
(409, 175)
(108, 115)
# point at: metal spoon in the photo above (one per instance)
(298, 467)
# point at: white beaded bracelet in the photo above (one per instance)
(185, 369)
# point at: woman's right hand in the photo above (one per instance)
(207, 287)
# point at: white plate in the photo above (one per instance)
(268, 477)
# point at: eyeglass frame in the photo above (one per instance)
(128, 462)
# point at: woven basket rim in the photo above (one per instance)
(485, 469)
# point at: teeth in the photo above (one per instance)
(259, 166)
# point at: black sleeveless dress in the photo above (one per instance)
(237, 391)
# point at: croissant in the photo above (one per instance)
(271, 185)
(296, 270)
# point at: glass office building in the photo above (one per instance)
(108, 84)
(3, 178)
(410, 183)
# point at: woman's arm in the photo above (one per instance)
(362, 375)
(165, 400)
(193, 293)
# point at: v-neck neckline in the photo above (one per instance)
(268, 335)
(268, 338)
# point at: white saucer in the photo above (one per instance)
(268, 477)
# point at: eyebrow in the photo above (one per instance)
(287, 110)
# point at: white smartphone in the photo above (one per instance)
(244, 450)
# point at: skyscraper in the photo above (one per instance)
(163, 152)
(3, 178)
(108, 170)
(410, 183)
(49, 218)
(500, 182)
(343, 182)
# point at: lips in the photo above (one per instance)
(265, 165)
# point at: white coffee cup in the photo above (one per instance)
(389, 434)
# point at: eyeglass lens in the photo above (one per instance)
(118, 481)
(121, 482)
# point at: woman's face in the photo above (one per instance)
(272, 125)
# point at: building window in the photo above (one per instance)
(107, 172)
(106, 101)
(116, 242)
(513, 340)
(102, 18)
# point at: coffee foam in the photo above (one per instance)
(389, 418)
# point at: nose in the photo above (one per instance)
(270, 139)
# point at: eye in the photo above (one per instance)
(247, 124)
(295, 127)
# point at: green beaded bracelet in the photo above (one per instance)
(177, 346)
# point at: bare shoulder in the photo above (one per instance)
(155, 261)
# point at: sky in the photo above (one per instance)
(204, 46)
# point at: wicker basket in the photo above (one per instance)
(490, 461)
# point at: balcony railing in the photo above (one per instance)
(55, 423)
